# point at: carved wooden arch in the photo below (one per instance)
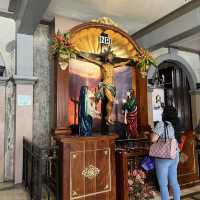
(84, 37)
(123, 46)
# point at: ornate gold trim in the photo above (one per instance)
(74, 156)
(90, 172)
(106, 152)
(105, 20)
(74, 193)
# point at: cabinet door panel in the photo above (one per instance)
(90, 161)
(103, 164)
(188, 166)
(77, 185)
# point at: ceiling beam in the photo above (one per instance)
(179, 24)
(28, 15)
(184, 49)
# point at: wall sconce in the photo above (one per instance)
(2, 69)
(105, 42)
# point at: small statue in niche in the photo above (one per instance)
(130, 109)
(86, 111)
(106, 88)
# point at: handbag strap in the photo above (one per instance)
(166, 130)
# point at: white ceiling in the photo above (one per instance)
(4, 5)
(131, 15)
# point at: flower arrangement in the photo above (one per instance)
(62, 47)
(138, 189)
(143, 59)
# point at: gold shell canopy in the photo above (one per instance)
(85, 38)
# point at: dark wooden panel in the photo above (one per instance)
(98, 152)
(65, 169)
(77, 160)
(62, 98)
(122, 175)
(103, 180)
(141, 96)
(90, 159)
(188, 165)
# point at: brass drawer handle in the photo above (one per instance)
(90, 172)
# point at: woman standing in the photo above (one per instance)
(166, 169)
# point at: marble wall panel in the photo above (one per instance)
(43, 96)
(9, 131)
(2, 130)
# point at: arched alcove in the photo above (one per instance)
(2, 65)
(192, 78)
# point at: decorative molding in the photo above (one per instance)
(105, 20)
(91, 172)
(180, 48)
(25, 80)
(195, 92)
(3, 80)
(172, 51)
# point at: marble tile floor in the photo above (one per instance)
(8, 191)
(186, 192)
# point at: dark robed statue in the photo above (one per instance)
(84, 116)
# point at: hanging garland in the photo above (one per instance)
(63, 49)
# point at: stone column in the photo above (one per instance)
(195, 103)
(24, 99)
(2, 126)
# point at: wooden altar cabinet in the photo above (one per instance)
(78, 153)
(87, 166)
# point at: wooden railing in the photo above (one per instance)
(40, 171)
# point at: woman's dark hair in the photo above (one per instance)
(170, 114)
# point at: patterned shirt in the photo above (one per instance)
(160, 130)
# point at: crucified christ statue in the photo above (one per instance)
(106, 87)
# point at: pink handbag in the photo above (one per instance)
(165, 149)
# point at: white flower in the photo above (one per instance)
(130, 182)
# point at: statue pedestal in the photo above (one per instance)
(87, 167)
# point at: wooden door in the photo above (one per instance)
(176, 87)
